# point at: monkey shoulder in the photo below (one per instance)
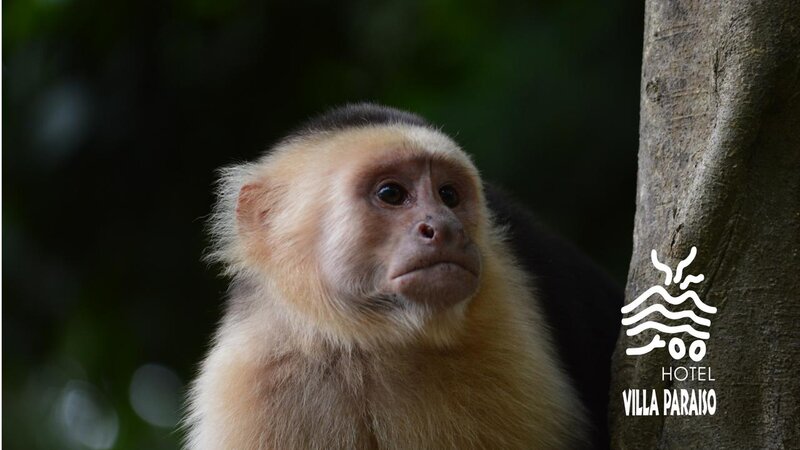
(579, 301)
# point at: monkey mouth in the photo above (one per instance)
(444, 265)
(437, 279)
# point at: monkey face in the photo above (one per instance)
(414, 216)
(430, 256)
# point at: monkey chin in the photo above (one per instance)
(439, 286)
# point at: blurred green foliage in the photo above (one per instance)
(117, 113)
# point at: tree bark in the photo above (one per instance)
(719, 169)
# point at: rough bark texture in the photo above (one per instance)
(719, 169)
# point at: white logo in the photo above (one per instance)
(677, 348)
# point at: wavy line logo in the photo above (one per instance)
(656, 312)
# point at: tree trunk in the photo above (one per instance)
(719, 170)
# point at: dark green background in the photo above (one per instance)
(116, 114)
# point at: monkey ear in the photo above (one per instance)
(251, 207)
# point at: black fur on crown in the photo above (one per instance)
(354, 115)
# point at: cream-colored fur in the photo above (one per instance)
(292, 367)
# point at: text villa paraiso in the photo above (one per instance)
(673, 402)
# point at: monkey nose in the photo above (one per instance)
(426, 231)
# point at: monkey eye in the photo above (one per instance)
(392, 194)
(449, 195)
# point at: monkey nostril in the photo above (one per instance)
(426, 231)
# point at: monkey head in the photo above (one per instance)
(363, 227)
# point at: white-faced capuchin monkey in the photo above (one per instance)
(378, 302)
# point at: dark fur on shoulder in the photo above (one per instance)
(580, 302)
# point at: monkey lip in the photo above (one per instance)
(439, 279)
(445, 264)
